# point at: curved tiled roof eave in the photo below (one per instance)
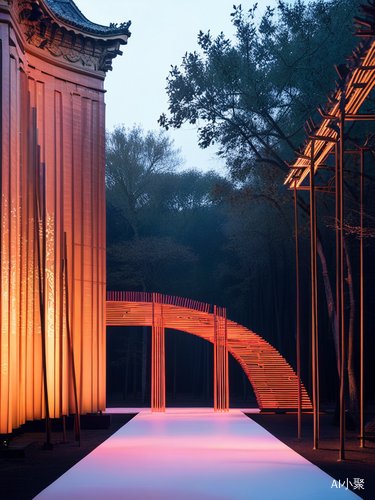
(67, 12)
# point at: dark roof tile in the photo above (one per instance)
(69, 13)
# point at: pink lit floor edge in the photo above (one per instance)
(195, 454)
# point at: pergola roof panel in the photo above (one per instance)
(357, 80)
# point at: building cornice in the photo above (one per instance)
(74, 40)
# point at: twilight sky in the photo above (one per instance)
(162, 31)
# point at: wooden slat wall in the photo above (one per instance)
(158, 359)
(221, 382)
(273, 379)
(57, 124)
(11, 345)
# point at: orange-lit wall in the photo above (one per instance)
(69, 138)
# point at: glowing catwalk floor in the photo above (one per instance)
(194, 454)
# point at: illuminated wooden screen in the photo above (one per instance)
(158, 359)
(274, 382)
(52, 143)
(221, 383)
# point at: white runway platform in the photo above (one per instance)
(193, 454)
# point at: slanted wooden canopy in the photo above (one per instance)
(356, 81)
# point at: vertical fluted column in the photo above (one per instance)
(158, 358)
(221, 388)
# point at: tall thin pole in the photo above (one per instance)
(62, 339)
(215, 360)
(313, 299)
(341, 266)
(362, 431)
(298, 347)
(40, 218)
(316, 324)
(226, 374)
(338, 241)
(70, 342)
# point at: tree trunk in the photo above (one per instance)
(275, 291)
(135, 376)
(144, 356)
(125, 393)
(144, 361)
(174, 365)
(330, 302)
(353, 392)
(244, 380)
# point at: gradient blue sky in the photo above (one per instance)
(162, 31)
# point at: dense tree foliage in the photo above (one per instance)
(133, 157)
(164, 234)
(153, 211)
(252, 95)
(231, 241)
(203, 237)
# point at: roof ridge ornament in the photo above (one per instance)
(60, 28)
(71, 14)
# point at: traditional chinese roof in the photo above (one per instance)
(67, 12)
(59, 29)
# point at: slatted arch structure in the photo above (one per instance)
(274, 382)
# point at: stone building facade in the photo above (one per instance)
(53, 63)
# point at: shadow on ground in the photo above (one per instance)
(358, 463)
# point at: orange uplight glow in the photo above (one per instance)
(52, 133)
(273, 379)
(158, 359)
(221, 385)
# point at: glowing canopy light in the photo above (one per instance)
(53, 64)
(356, 81)
(274, 382)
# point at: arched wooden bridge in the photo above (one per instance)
(274, 382)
